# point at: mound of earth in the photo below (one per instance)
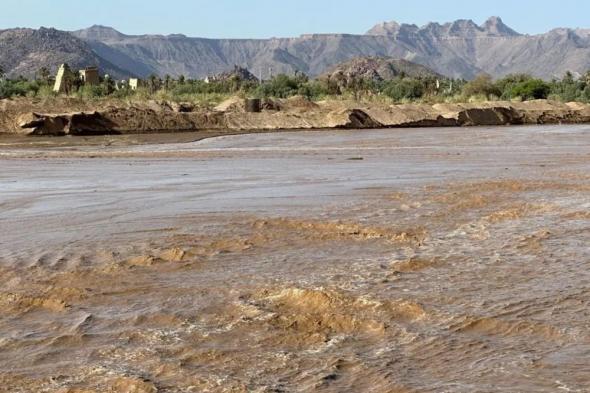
(75, 117)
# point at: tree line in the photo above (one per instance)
(400, 89)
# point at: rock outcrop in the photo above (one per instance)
(377, 69)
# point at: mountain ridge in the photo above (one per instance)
(492, 27)
(461, 49)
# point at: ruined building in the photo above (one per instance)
(134, 83)
(89, 76)
(64, 80)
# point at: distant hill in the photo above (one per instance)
(24, 51)
(379, 69)
(457, 49)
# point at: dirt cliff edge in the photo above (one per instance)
(79, 118)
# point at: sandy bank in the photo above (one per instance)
(73, 117)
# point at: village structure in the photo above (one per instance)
(134, 83)
(90, 76)
(63, 79)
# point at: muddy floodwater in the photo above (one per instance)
(395, 261)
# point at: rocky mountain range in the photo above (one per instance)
(458, 49)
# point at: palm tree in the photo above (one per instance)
(2, 72)
(70, 79)
(167, 82)
(43, 74)
(153, 83)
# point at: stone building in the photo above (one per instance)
(134, 83)
(89, 76)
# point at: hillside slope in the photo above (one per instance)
(24, 51)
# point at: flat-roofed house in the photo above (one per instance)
(134, 83)
(89, 76)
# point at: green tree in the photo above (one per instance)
(568, 89)
(507, 83)
(532, 89)
(282, 86)
(71, 80)
(481, 86)
(404, 89)
(568, 78)
(356, 85)
(108, 85)
(43, 74)
(154, 83)
(167, 82)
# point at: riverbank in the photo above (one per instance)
(59, 117)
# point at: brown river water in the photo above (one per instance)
(398, 261)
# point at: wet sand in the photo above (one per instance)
(420, 260)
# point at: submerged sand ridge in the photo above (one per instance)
(421, 260)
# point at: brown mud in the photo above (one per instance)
(444, 260)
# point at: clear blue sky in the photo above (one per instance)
(283, 18)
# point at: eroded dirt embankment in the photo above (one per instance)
(74, 117)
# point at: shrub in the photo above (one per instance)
(506, 84)
(568, 89)
(532, 89)
(403, 89)
(481, 86)
(90, 92)
(282, 86)
(18, 88)
(314, 90)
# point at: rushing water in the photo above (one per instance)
(422, 260)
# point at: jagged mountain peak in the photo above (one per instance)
(496, 26)
(99, 33)
(466, 28)
(464, 24)
(385, 28)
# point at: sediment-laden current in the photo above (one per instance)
(419, 260)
